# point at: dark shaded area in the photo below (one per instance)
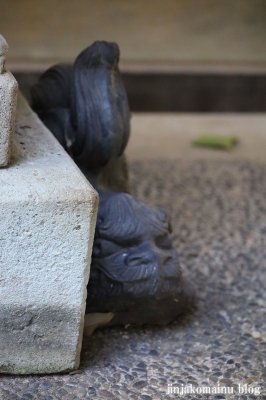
(26, 80)
(191, 92)
(196, 92)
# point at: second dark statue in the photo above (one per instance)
(135, 273)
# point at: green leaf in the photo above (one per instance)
(216, 142)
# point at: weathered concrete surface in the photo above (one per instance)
(8, 102)
(48, 212)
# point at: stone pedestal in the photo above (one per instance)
(8, 100)
(48, 212)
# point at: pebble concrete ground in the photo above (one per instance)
(218, 211)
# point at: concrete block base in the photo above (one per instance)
(39, 339)
(48, 213)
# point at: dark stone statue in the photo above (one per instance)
(135, 273)
(135, 269)
(85, 106)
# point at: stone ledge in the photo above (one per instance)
(48, 212)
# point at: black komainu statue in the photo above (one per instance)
(135, 273)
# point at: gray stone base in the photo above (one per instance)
(38, 339)
(48, 212)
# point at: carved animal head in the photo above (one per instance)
(135, 268)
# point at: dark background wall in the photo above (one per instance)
(160, 92)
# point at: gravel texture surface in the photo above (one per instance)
(218, 211)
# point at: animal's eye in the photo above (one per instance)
(164, 241)
(104, 248)
(130, 242)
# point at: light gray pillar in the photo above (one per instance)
(8, 102)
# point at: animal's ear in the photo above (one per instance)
(100, 53)
(53, 89)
